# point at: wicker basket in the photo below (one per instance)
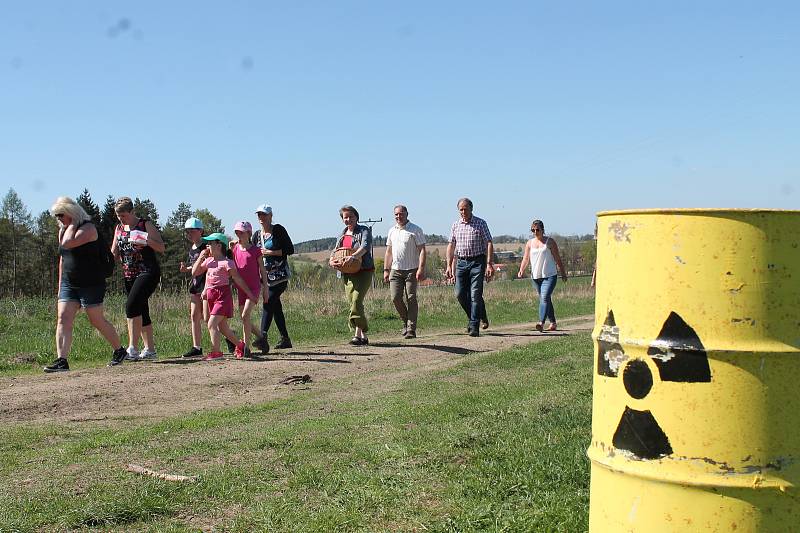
(351, 267)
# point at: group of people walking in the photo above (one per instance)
(257, 264)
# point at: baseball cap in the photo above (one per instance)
(243, 226)
(193, 223)
(264, 208)
(217, 237)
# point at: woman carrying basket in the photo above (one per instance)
(352, 256)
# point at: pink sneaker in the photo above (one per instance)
(239, 350)
(213, 356)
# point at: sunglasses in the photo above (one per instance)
(59, 215)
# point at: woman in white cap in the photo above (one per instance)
(276, 247)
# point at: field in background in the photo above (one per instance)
(379, 251)
(27, 325)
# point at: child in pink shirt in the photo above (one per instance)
(219, 272)
(251, 267)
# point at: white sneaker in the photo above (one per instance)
(148, 355)
(133, 354)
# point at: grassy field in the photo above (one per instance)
(496, 443)
(27, 325)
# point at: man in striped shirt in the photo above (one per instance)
(403, 267)
(469, 261)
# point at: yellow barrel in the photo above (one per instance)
(696, 372)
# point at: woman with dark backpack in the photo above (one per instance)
(82, 275)
(276, 247)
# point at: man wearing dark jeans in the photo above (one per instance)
(469, 262)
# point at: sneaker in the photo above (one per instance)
(474, 332)
(552, 327)
(120, 354)
(410, 334)
(262, 344)
(404, 332)
(194, 352)
(59, 365)
(284, 344)
(231, 346)
(148, 355)
(213, 356)
(132, 354)
(238, 350)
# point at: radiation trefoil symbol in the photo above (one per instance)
(679, 356)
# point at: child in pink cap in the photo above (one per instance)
(219, 272)
(248, 262)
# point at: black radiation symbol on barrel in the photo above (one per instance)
(679, 356)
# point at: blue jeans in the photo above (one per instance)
(469, 289)
(546, 286)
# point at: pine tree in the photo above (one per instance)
(46, 260)
(211, 223)
(88, 205)
(145, 208)
(16, 228)
(108, 219)
(178, 217)
(176, 245)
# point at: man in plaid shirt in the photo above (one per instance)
(469, 261)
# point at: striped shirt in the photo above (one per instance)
(470, 238)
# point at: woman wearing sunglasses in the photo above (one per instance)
(541, 252)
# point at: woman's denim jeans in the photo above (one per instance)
(546, 286)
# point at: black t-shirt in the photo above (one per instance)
(197, 283)
(82, 265)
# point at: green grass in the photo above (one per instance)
(496, 443)
(27, 325)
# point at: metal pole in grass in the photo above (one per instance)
(371, 223)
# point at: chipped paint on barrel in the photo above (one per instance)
(696, 368)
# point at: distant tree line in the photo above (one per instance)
(29, 244)
(29, 247)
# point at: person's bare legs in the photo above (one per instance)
(134, 331)
(64, 325)
(247, 326)
(217, 328)
(196, 313)
(147, 337)
(213, 331)
(98, 319)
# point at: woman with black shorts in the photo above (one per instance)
(136, 240)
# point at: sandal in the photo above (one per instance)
(356, 341)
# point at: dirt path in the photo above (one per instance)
(169, 387)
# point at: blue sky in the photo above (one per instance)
(551, 110)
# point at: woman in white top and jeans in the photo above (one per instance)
(542, 254)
